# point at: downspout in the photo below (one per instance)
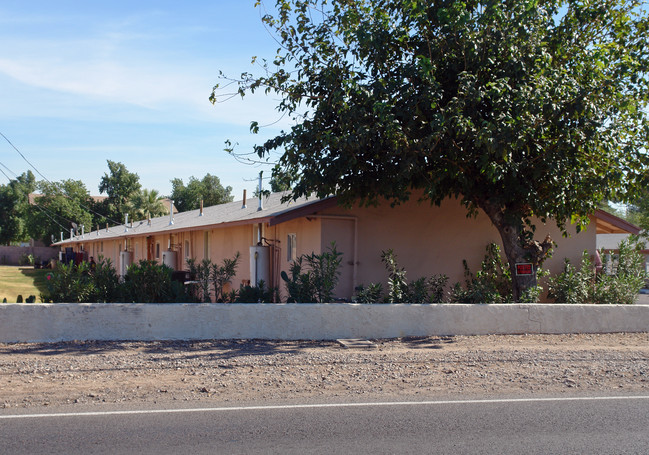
(277, 258)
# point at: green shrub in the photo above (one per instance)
(70, 284)
(150, 282)
(400, 290)
(200, 273)
(373, 293)
(210, 276)
(106, 282)
(583, 285)
(491, 284)
(629, 276)
(255, 294)
(19, 299)
(26, 259)
(313, 277)
(222, 275)
(573, 285)
(300, 286)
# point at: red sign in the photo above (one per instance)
(524, 269)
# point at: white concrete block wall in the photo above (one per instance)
(67, 321)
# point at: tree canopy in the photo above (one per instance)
(14, 207)
(121, 186)
(58, 207)
(147, 203)
(209, 190)
(524, 109)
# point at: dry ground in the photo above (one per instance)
(250, 370)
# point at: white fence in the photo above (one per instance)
(67, 321)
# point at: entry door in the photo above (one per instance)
(150, 245)
(341, 231)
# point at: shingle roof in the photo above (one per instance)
(232, 213)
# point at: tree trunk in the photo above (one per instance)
(518, 249)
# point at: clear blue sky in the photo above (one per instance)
(83, 81)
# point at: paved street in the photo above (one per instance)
(595, 425)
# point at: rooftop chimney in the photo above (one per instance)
(171, 212)
(201, 214)
(243, 206)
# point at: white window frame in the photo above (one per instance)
(291, 247)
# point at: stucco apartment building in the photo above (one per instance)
(269, 234)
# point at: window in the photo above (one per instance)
(291, 247)
(206, 245)
(157, 250)
(102, 247)
(186, 249)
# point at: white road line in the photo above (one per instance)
(322, 405)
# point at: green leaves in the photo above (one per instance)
(535, 107)
(208, 189)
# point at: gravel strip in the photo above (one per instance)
(250, 370)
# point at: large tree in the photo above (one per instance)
(14, 208)
(121, 186)
(209, 190)
(524, 109)
(58, 207)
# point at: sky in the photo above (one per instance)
(82, 82)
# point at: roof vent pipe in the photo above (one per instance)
(149, 219)
(171, 212)
(243, 206)
(61, 236)
(261, 206)
(126, 223)
(106, 227)
(71, 233)
(201, 214)
(83, 231)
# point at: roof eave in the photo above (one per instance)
(607, 223)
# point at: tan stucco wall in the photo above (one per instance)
(426, 239)
(225, 243)
(431, 240)
(308, 233)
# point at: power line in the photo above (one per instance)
(54, 186)
(45, 211)
(23, 156)
(5, 174)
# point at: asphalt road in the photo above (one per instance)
(594, 425)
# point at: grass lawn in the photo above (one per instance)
(23, 281)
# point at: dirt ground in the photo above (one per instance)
(251, 370)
